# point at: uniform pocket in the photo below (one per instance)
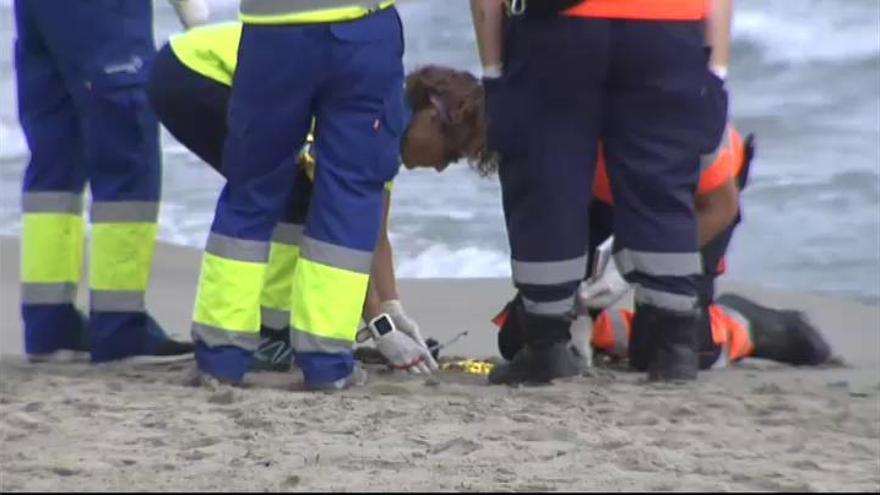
(389, 131)
(715, 103)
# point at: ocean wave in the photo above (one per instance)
(12, 143)
(443, 261)
(810, 31)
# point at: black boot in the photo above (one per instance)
(709, 351)
(510, 335)
(547, 353)
(665, 343)
(779, 335)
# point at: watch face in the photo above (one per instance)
(383, 325)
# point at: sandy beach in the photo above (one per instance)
(757, 426)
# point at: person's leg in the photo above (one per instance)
(754, 330)
(510, 339)
(664, 112)
(359, 124)
(544, 122)
(274, 352)
(268, 122)
(112, 49)
(53, 227)
(192, 107)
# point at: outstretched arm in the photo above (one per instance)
(718, 28)
(488, 19)
(383, 283)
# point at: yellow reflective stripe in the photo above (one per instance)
(229, 294)
(122, 256)
(211, 51)
(339, 14)
(52, 247)
(279, 276)
(327, 301)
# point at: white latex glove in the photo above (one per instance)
(603, 291)
(191, 12)
(407, 325)
(404, 353)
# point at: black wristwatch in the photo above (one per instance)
(378, 326)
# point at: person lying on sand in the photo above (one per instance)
(733, 327)
(189, 89)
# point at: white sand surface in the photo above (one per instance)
(758, 426)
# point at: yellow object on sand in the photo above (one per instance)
(470, 366)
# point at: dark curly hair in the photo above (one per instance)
(462, 96)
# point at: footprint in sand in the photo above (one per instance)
(195, 455)
(225, 397)
(458, 446)
(24, 421)
(547, 435)
(202, 443)
(63, 470)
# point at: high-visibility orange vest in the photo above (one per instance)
(613, 328)
(653, 10)
(723, 165)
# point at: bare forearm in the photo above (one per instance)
(383, 284)
(716, 211)
(718, 29)
(383, 272)
(488, 19)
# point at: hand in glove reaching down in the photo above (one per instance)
(403, 351)
(603, 291)
(402, 321)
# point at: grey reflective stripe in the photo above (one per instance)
(124, 212)
(288, 233)
(305, 342)
(336, 256)
(659, 264)
(61, 293)
(549, 272)
(551, 308)
(275, 319)
(237, 249)
(217, 337)
(621, 336)
(665, 300)
(706, 161)
(285, 7)
(52, 202)
(116, 300)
